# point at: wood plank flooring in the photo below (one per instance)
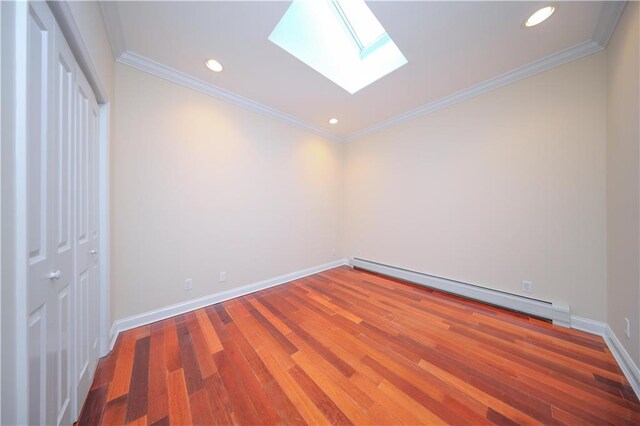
(349, 347)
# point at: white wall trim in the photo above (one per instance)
(628, 367)
(20, 211)
(113, 23)
(145, 64)
(103, 224)
(190, 305)
(622, 357)
(1, 258)
(607, 21)
(588, 325)
(159, 70)
(630, 370)
(528, 70)
(558, 312)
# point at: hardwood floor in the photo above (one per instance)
(348, 347)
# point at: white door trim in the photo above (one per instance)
(0, 215)
(62, 12)
(22, 397)
(103, 225)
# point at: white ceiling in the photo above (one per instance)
(450, 47)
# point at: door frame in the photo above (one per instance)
(104, 117)
(0, 211)
(9, 116)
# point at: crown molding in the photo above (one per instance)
(501, 80)
(609, 16)
(607, 21)
(159, 70)
(113, 25)
(148, 65)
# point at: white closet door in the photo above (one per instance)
(49, 165)
(61, 169)
(62, 197)
(87, 307)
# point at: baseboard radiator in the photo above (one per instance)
(559, 313)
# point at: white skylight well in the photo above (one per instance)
(341, 39)
(362, 25)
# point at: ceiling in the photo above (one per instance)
(454, 49)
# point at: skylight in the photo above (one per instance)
(341, 39)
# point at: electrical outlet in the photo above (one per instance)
(223, 277)
(188, 284)
(527, 286)
(333, 253)
(627, 328)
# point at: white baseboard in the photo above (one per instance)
(190, 305)
(622, 357)
(557, 312)
(628, 367)
(588, 325)
(545, 310)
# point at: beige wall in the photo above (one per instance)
(200, 186)
(535, 181)
(505, 187)
(623, 179)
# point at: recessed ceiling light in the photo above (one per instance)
(333, 121)
(539, 16)
(214, 65)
